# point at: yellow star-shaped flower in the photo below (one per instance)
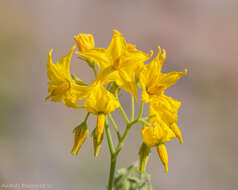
(119, 62)
(153, 81)
(61, 87)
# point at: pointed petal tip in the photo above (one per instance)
(163, 55)
(50, 53)
(181, 140)
(70, 52)
(48, 97)
(177, 132)
(159, 50)
(74, 46)
(51, 50)
(116, 31)
(73, 153)
(96, 153)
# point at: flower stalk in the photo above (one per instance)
(121, 138)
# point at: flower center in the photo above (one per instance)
(117, 64)
(154, 90)
(62, 88)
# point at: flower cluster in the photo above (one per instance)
(120, 66)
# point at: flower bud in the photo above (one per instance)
(96, 143)
(144, 154)
(161, 149)
(100, 126)
(80, 135)
(84, 41)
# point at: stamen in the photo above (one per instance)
(154, 90)
(62, 88)
(117, 64)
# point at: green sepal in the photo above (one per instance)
(144, 154)
(96, 145)
(113, 87)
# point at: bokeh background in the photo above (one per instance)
(36, 136)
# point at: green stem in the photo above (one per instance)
(148, 117)
(122, 110)
(115, 152)
(113, 157)
(112, 172)
(128, 127)
(144, 122)
(132, 108)
(92, 67)
(141, 110)
(114, 126)
(86, 118)
(124, 114)
(119, 146)
(109, 138)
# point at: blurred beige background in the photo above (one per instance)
(36, 136)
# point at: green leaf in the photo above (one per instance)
(132, 179)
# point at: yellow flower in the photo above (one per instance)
(165, 109)
(154, 82)
(156, 137)
(84, 41)
(159, 134)
(118, 63)
(62, 88)
(100, 102)
(80, 135)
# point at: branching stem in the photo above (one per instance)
(121, 138)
